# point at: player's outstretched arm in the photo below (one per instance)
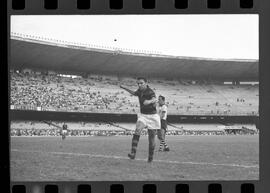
(128, 90)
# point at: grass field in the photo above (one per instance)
(105, 159)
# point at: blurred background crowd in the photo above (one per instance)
(101, 94)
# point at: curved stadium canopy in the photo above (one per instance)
(79, 59)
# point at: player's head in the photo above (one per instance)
(142, 83)
(161, 100)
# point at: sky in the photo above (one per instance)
(207, 36)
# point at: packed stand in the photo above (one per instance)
(101, 94)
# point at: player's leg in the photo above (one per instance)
(135, 139)
(166, 147)
(161, 139)
(164, 128)
(151, 138)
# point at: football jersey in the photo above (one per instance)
(146, 94)
(161, 109)
(64, 127)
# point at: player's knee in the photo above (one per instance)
(139, 125)
(151, 137)
(137, 132)
(162, 135)
(159, 135)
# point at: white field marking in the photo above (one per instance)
(126, 158)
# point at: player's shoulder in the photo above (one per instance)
(136, 93)
(149, 90)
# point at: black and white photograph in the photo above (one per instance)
(134, 97)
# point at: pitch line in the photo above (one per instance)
(139, 159)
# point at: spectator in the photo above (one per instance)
(101, 94)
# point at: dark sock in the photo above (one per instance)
(134, 143)
(165, 145)
(151, 151)
(161, 145)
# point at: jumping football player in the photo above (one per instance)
(147, 118)
(162, 111)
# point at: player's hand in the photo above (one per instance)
(146, 102)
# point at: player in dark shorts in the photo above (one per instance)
(162, 111)
(64, 131)
(147, 118)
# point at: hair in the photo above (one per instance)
(162, 97)
(142, 78)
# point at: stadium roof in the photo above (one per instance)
(78, 58)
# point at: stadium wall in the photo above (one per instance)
(128, 118)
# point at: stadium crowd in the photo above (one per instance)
(96, 93)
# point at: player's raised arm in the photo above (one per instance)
(128, 90)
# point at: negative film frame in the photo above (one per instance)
(66, 7)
